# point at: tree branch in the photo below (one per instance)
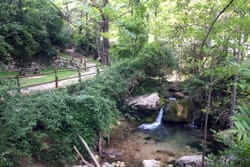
(89, 151)
(214, 21)
(82, 159)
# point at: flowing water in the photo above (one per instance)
(176, 138)
(155, 124)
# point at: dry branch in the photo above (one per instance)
(80, 155)
(89, 151)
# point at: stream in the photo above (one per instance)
(171, 137)
(174, 138)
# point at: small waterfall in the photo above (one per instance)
(160, 115)
(155, 124)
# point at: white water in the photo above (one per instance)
(155, 124)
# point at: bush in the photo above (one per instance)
(85, 45)
(46, 126)
(160, 59)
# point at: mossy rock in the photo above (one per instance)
(178, 111)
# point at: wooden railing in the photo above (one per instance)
(79, 75)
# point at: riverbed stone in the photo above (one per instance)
(150, 102)
(179, 111)
(106, 164)
(151, 163)
(189, 161)
(169, 165)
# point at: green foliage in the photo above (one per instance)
(46, 126)
(21, 40)
(150, 85)
(85, 44)
(133, 32)
(29, 30)
(5, 48)
(238, 141)
(237, 138)
(132, 38)
(5, 87)
(160, 56)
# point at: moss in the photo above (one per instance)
(179, 111)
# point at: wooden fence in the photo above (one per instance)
(56, 78)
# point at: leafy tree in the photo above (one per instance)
(29, 30)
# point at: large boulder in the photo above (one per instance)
(145, 102)
(151, 163)
(189, 161)
(180, 111)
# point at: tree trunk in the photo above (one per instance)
(98, 42)
(235, 78)
(206, 122)
(20, 7)
(234, 91)
(105, 57)
(80, 27)
(87, 33)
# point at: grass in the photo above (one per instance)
(7, 74)
(14, 74)
(47, 78)
(47, 75)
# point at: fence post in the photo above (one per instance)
(18, 84)
(81, 60)
(98, 70)
(56, 78)
(79, 74)
(85, 64)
